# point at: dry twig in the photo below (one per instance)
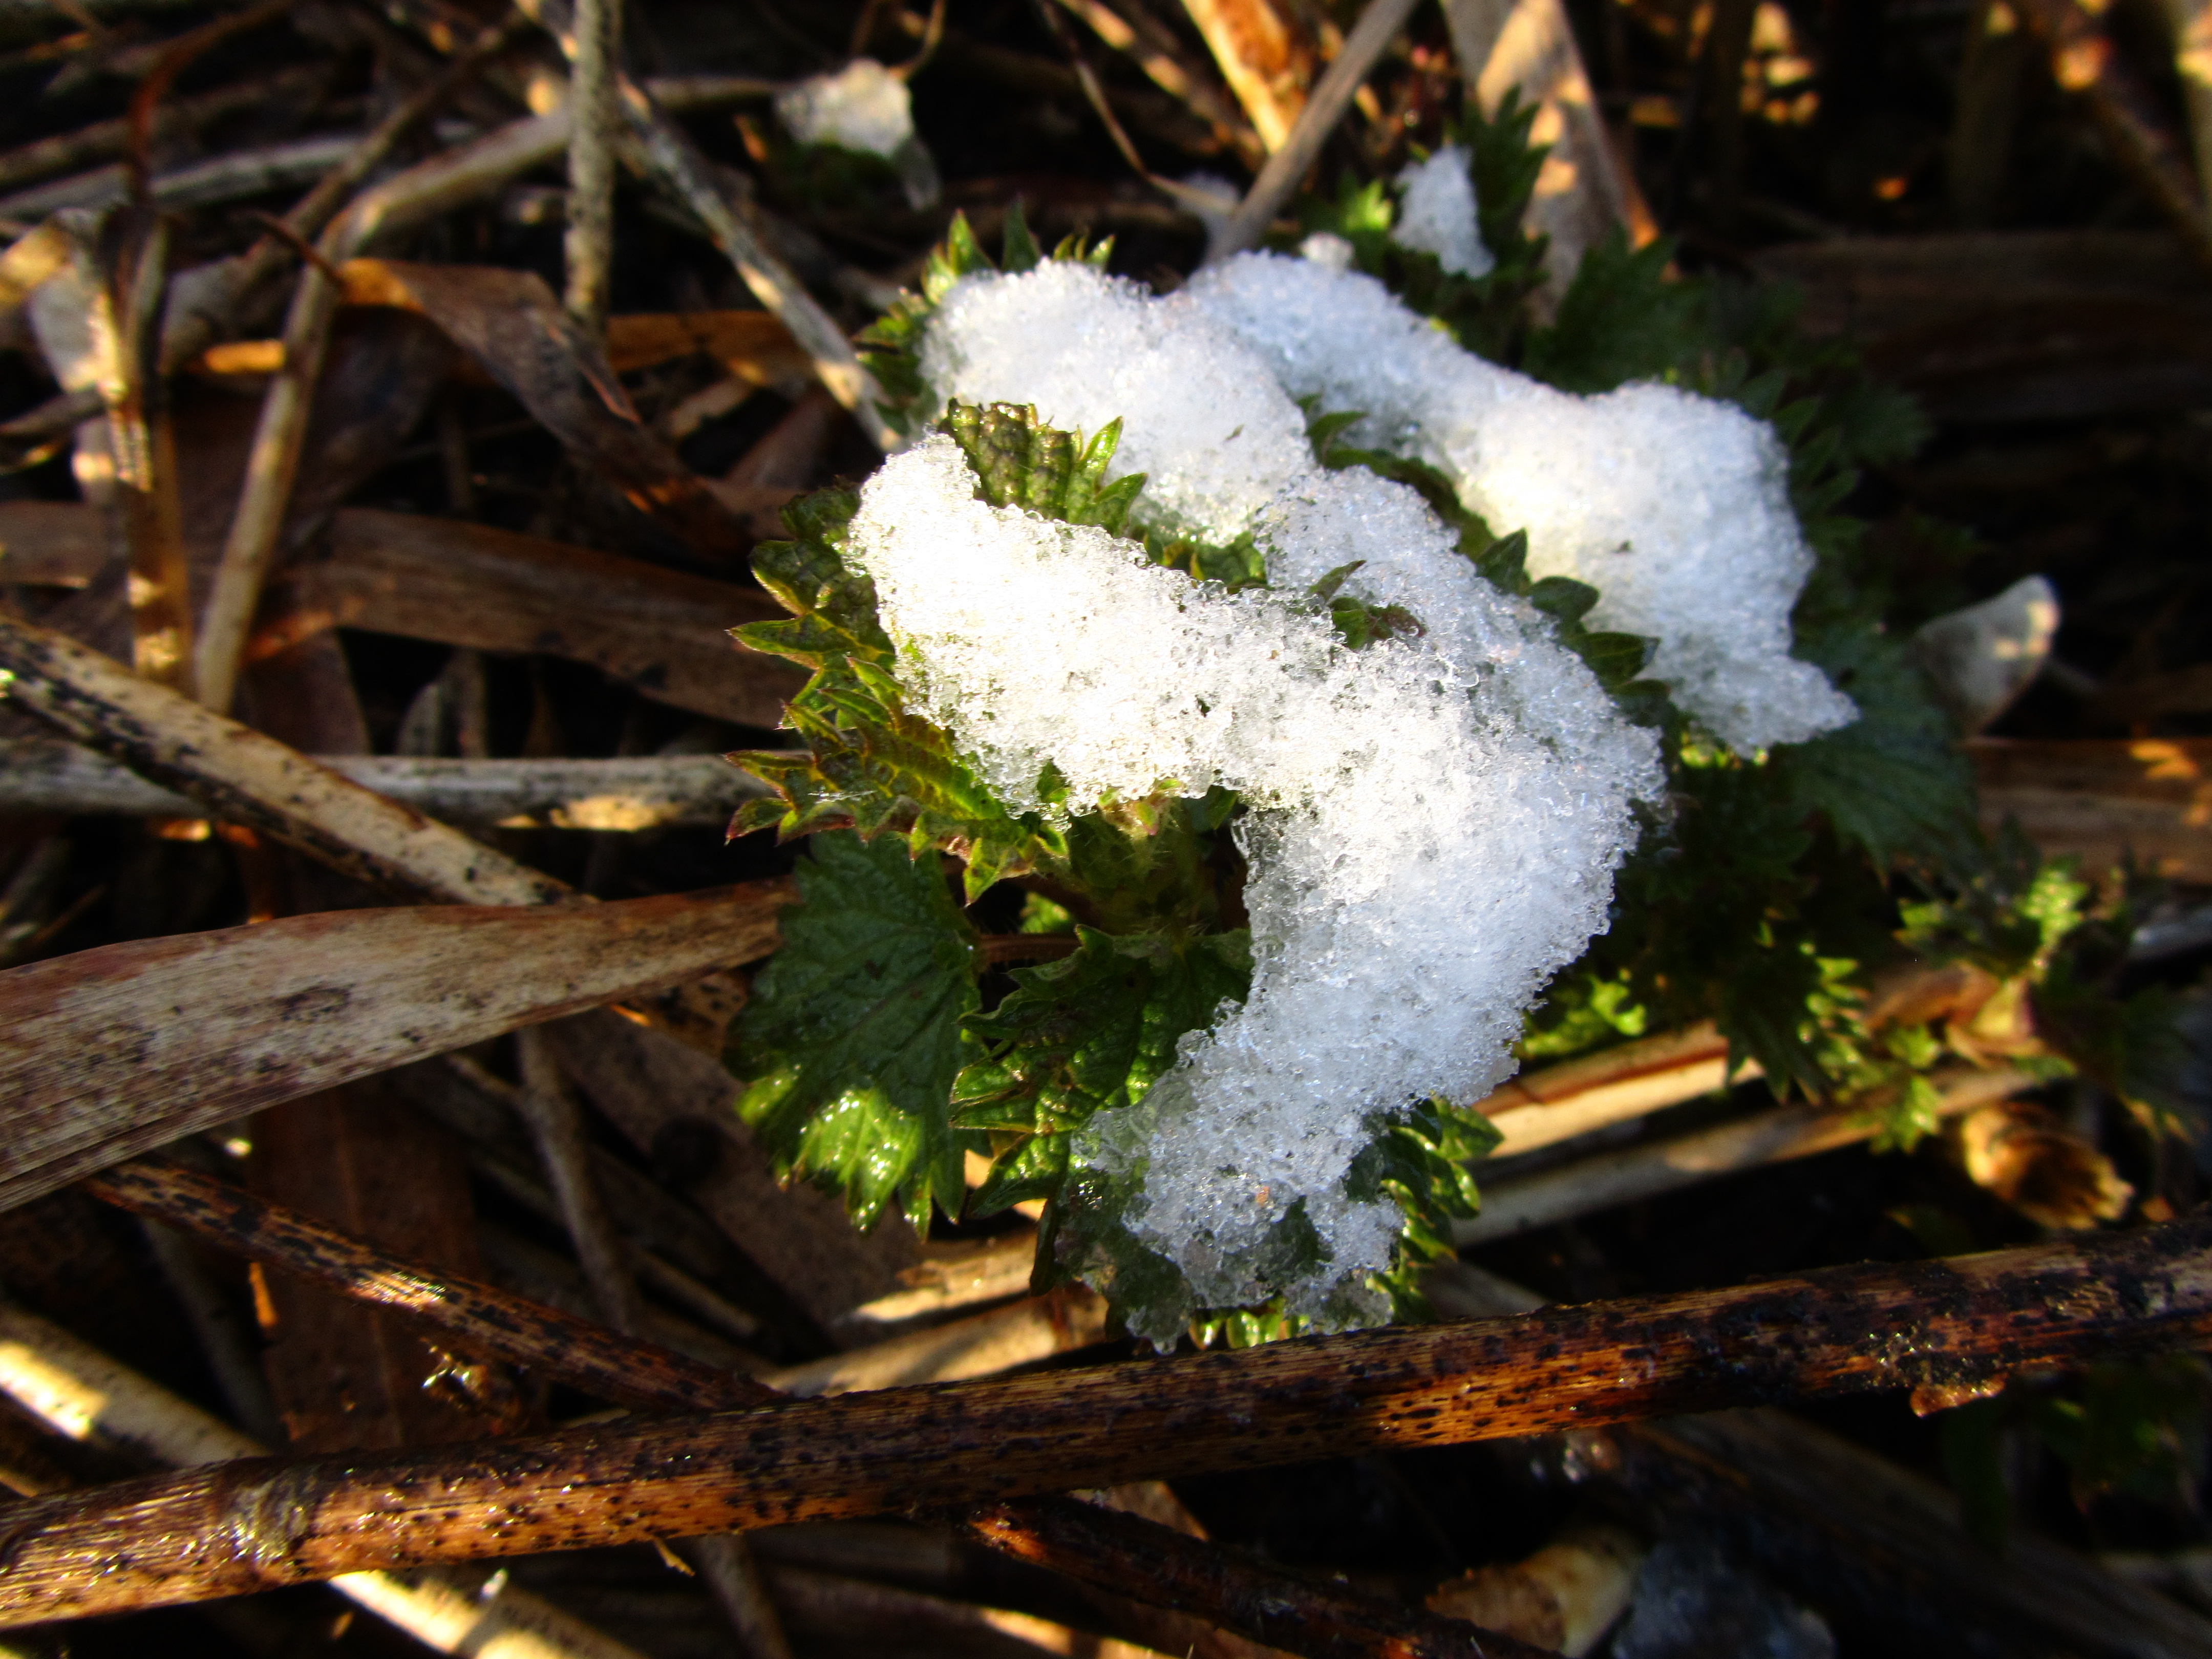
(623, 1369)
(1944, 1323)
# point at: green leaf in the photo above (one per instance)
(1894, 781)
(852, 1037)
(1019, 461)
(1095, 1029)
(1620, 320)
(1019, 251)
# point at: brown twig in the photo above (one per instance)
(585, 1356)
(176, 57)
(680, 166)
(273, 465)
(1331, 97)
(82, 1394)
(592, 130)
(1227, 1588)
(1837, 1331)
(2086, 61)
(556, 1117)
(247, 778)
(115, 1050)
(650, 792)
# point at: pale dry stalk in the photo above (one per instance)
(1286, 168)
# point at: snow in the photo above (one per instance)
(1436, 213)
(1435, 823)
(863, 108)
(1436, 819)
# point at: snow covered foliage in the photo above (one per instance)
(1674, 506)
(1435, 820)
(863, 108)
(1437, 213)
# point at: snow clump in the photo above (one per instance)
(863, 108)
(1435, 820)
(1673, 507)
(1436, 213)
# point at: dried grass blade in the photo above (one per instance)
(115, 1051)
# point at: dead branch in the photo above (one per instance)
(593, 134)
(2086, 62)
(1943, 1322)
(1777, 1136)
(1332, 96)
(277, 442)
(2104, 798)
(80, 1393)
(246, 778)
(1037, 1328)
(115, 1051)
(651, 791)
(584, 1355)
(549, 1105)
(678, 164)
(1132, 1555)
(104, 139)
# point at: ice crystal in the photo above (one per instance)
(1436, 213)
(863, 108)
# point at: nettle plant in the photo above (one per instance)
(1336, 714)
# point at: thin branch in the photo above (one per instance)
(1227, 1588)
(585, 1356)
(1621, 1176)
(274, 462)
(549, 1105)
(2086, 61)
(650, 792)
(247, 778)
(679, 165)
(1838, 1331)
(725, 1562)
(592, 131)
(82, 1394)
(1363, 48)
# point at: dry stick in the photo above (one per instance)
(273, 464)
(590, 245)
(176, 56)
(437, 185)
(2191, 21)
(105, 140)
(725, 1562)
(650, 792)
(80, 1393)
(555, 1118)
(573, 1351)
(1331, 98)
(676, 161)
(249, 779)
(1802, 1130)
(1154, 49)
(1315, 1619)
(125, 326)
(1844, 1330)
(2085, 61)
(232, 1354)
(113, 1051)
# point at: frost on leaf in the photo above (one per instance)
(1673, 507)
(1434, 821)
